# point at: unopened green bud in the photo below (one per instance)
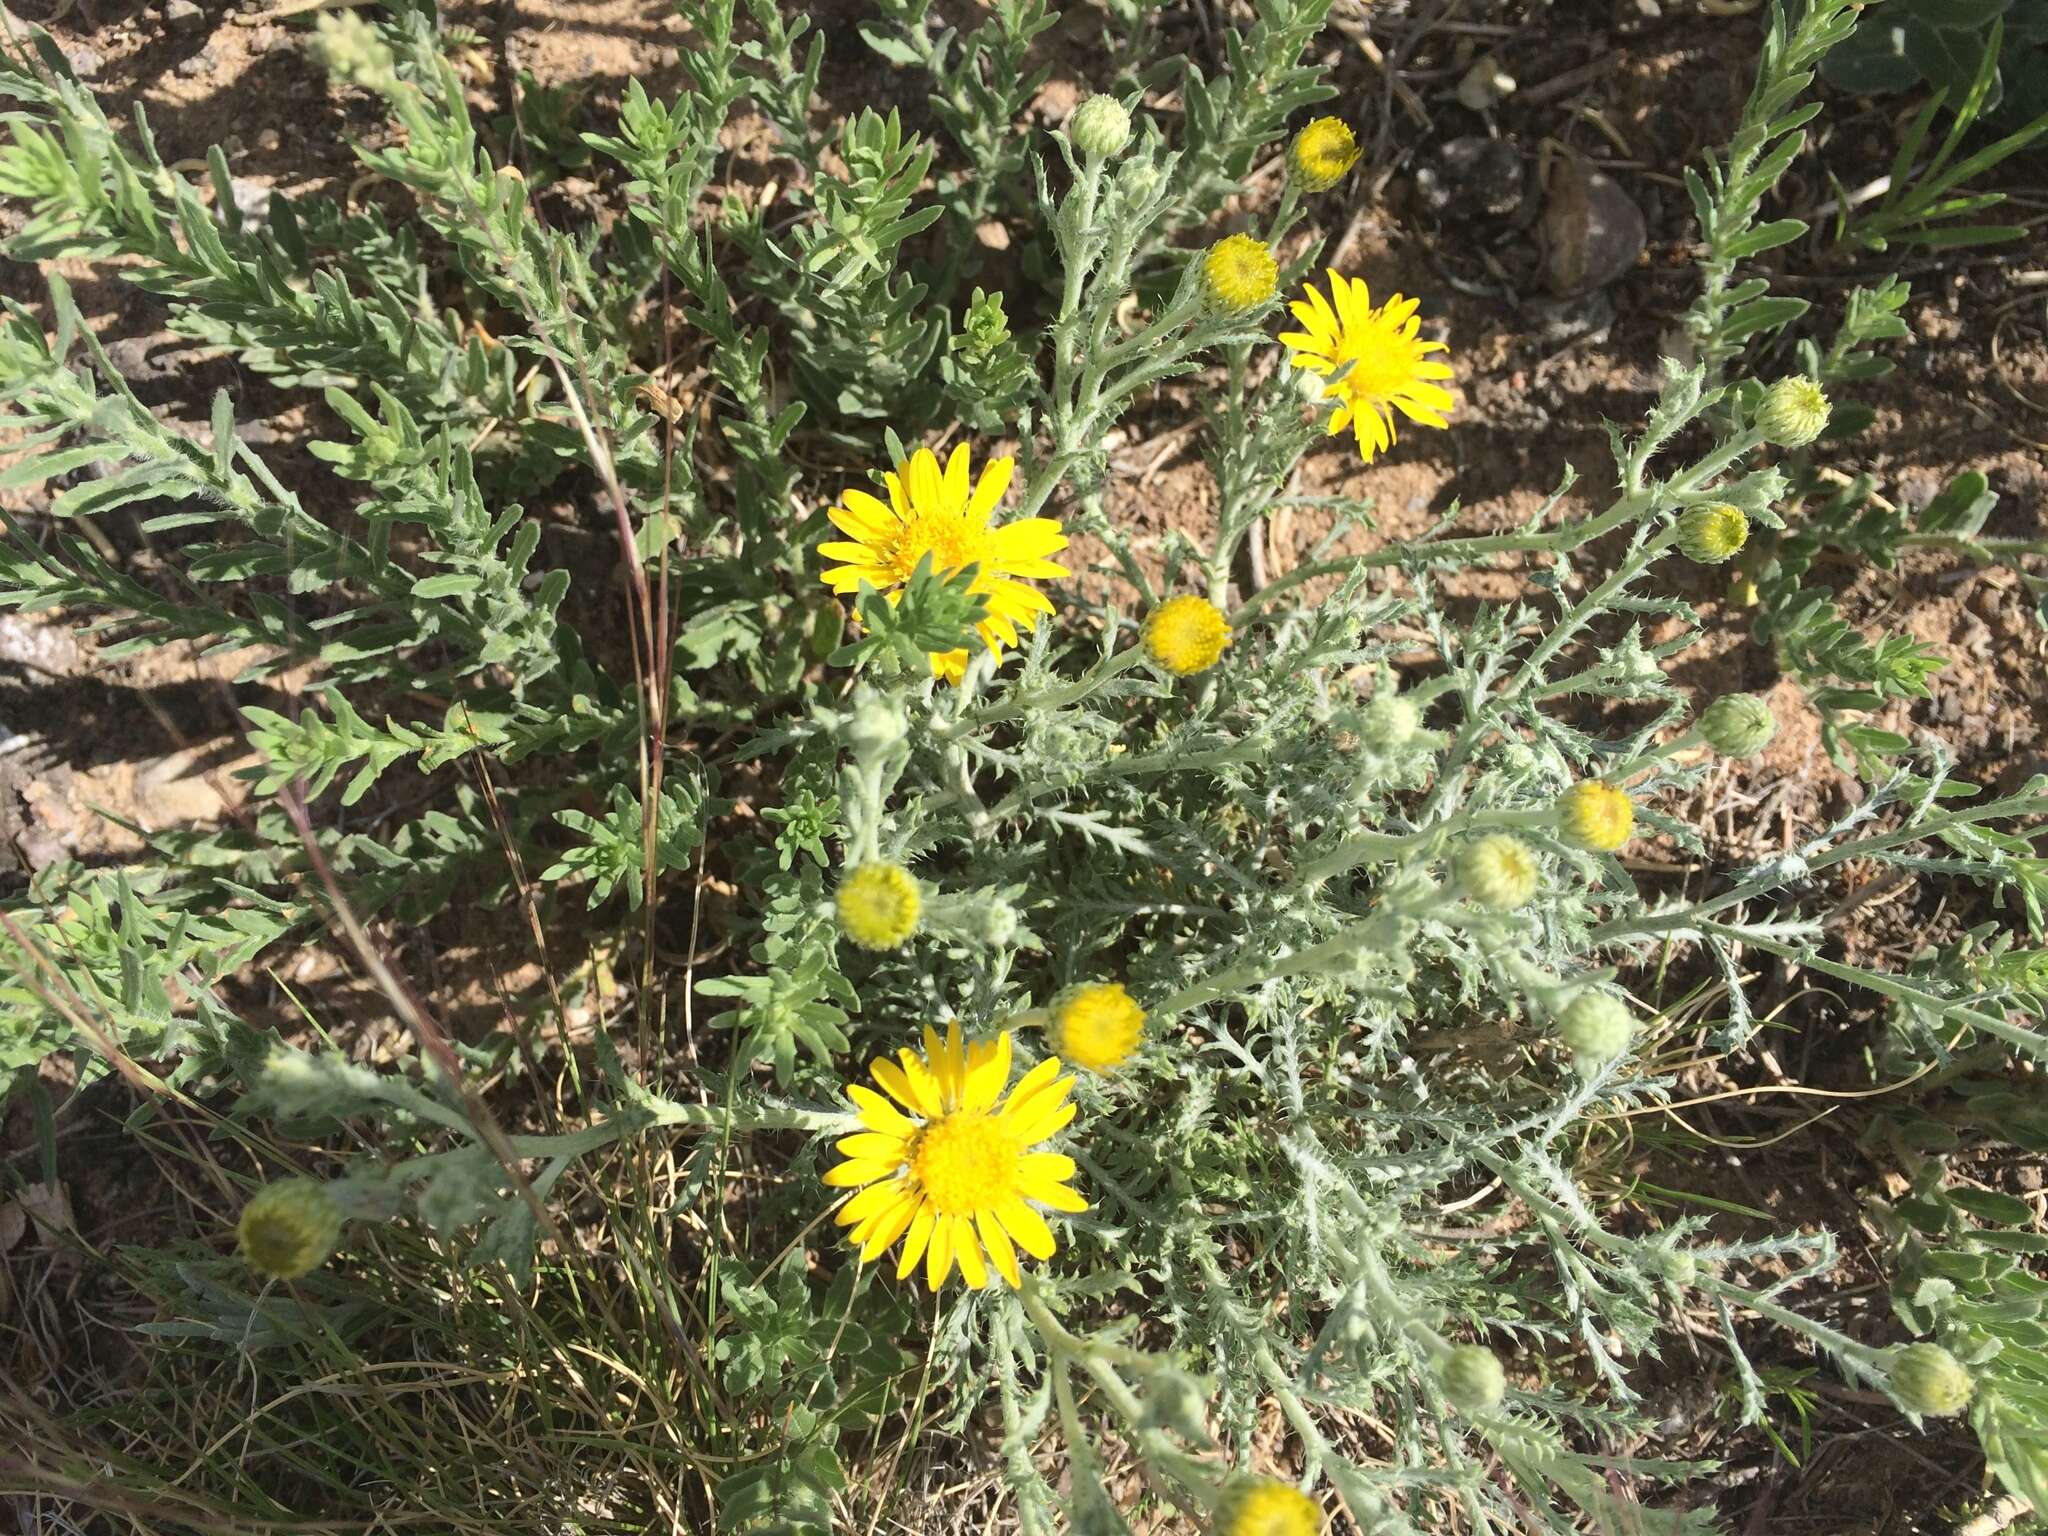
(875, 726)
(1928, 1380)
(1100, 127)
(1387, 723)
(354, 51)
(1713, 532)
(1498, 871)
(1738, 725)
(1794, 412)
(1596, 1028)
(288, 1229)
(1473, 1379)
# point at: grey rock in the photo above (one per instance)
(86, 62)
(183, 16)
(1472, 178)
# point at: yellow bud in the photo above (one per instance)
(1322, 153)
(1596, 816)
(1186, 635)
(1712, 532)
(1794, 412)
(1239, 273)
(1096, 1026)
(878, 905)
(288, 1229)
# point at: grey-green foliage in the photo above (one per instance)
(1349, 1141)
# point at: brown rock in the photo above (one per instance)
(1591, 231)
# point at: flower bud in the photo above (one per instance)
(1264, 1506)
(875, 726)
(1738, 725)
(1794, 412)
(1927, 1379)
(1321, 154)
(1185, 635)
(1712, 532)
(1473, 1379)
(878, 905)
(354, 51)
(1596, 816)
(1096, 1026)
(1100, 127)
(1596, 1028)
(288, 1229)
(1387, 723)
(1498, 871)
(1238, 274)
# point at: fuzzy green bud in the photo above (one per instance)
(288, 1229)
(1794, 412)
(1498, 871)
(1712, 532)
(1928, 1380)
(1596, 1028)
(1387, 723)
(1738, 725)
(354, 51)
(1473, 1379)
(875, 726)
(1100, 127)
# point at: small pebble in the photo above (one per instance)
(183, 15)
(86, 62)
(269, 141)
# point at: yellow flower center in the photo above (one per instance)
(878, 905)
(1096, 1026)
(952, 540)
(1186, 635)
(965, 1162)
(1382, 363)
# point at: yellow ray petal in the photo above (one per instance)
(878, 1114)
(995, 480)
(921, 1225)
(1027, 1228)
(1002, 1253)
(938, 1256)
(875, 1144)
(967, 1251)
(859, 1171)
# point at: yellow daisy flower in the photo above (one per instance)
(948, 1166)
(1391, 369)
(939, 513)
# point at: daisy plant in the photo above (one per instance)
(982, 994)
